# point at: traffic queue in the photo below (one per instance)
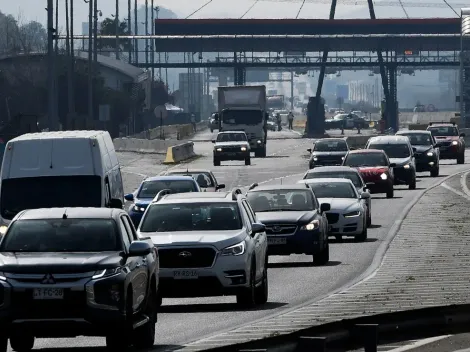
(74, 262)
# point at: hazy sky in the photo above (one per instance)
(35, 9)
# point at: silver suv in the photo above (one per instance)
(210, 244)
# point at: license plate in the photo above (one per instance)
(48, 293)
(277, 241)
(185, 274)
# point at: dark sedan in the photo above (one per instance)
(328, 152)
(295, 222)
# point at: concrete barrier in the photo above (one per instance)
(180, 152)
(136, 145)
(417, 126)
(357, 142)
(171, 131)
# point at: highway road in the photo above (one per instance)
(293, 280)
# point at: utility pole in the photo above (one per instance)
(117, 29)
(136, 31)
(56, 26)
(95, 35)
(159, 57)
(129, 8)
(68, 56)
(146, 33)
(72, 58)
(152, 52)
(90, 59)
(50, 65)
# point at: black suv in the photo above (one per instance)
(328, 152)
(67, 272)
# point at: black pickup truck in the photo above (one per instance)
(66, 272)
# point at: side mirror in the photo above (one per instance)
(139, 249)
(220, 186)
(365, 195)
(325, 207)
(129, 197)
(253, 185)
(257, 228)
(115, 203)
(216, 117)
(414, 149)
(309, 150)
(393, 165)
(462, 134)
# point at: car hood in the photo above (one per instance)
(57, 263)
(230, 144)
(422, 148)
(400, 161)
(219, 239)
(286, 217)
(341, 204)
(372, 170)
(446, 138)
(143, 202)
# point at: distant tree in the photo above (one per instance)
(16, 36)
(108, 27)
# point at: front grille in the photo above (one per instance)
(25, 307)
(231, 149)
(445, 144)
(280, 229)
(332, 218)
(192, 257)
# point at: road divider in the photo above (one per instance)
(137, 145)
(180, 152)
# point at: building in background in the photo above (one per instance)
(191, 92)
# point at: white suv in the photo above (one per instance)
(210, 244)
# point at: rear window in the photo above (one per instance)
(443, 131)
(150, 189)
(365, 159)
(62, 235)
(330, 146)
(393, 150)
(354, 177)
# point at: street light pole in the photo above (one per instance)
(136, 31)
(95, 34)
(90, 59)
(146, 33)
(129, 8)
(152, 52)
(159, 57)
(50, 65)
(117, 29)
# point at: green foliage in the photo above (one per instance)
(108, 27)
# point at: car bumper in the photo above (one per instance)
(382, 186)
(426, 164)
(450, 152)
(228, 276)
(222, 156)
(346, 226)
(301, 242)
(402, 175)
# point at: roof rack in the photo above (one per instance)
(252, 186)
(235, 193)
(161, 194)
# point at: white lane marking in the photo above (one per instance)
(419, 343)
(446, 186)
(463, 183)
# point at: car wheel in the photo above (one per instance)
(461, 159)
(369, 218)
(323, 257)
(246, 298)
(262, 291)
(248, 161)
(144, 336)
(212, 130)
(362, 236)
(435, 172)
(390, 193)
(216, 162)
(120, 339)
(21, 343)
(412, 184)
(339, 238)
(3, 343)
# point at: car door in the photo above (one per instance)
(138, 267)
(261, 242)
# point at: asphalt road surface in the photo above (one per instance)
(293, 281)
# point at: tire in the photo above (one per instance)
(412, 184)
(435, 172)
(369, 219)
(262, 291)
(339, 238)
(21, 343)
(120, 339)
(390, 193)
(323, 257)
(144, 336)
(362, 237)
(248, 161)
(3, 343)
(246, 298)
(216, 162)
(159, 300)
(261, 152)
(212, 130)
(461, 158)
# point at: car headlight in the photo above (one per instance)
(243, 149)
(219, 149)
(315, 224)
(259, 142)
(383, 176)
(352, 214)
(237, 249)
(455, 143)
(2, 277)
(3, 230)
(407, 166)
(106, 273)
(315, 158)
(430, 154)
(139, 209)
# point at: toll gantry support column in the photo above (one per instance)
(465, 69)
(239, 74)
(391, 101)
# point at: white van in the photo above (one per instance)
(59, 169)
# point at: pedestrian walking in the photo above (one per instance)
(193, 121)
(290, 118)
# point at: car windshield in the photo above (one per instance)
(149, 189)
(202, 178)
(231, 137)
(419, 138)
(353, 176)
(62, 235)
(443, 131)
(365, 159)
(18, 194)
(392, 150)
(281, 200)
(333, 190)
(330, 146)
(191, 217)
